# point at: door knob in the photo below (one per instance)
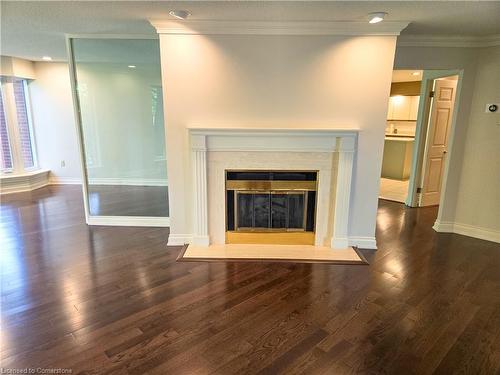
(444, 152)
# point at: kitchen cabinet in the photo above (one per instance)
(403, 108)
(398, 152)
(414, 100)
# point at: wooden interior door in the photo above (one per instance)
(437, 140)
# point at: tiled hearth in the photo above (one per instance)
(273, 253)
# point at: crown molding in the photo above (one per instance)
(198, 27)
(448, 41)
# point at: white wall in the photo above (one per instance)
(443, 59)
(478, 199)
(53, 121)
(277, 81)
(471, 193)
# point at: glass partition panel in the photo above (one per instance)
(119, 92)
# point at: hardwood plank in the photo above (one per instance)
(113, 300)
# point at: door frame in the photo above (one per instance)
(423, 117)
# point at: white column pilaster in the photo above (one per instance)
(199, 162)
(340, 239)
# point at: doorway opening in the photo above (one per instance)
(418, 136)
(400, 134)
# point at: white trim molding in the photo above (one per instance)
(467, 230)
(55, 180)
(203, 140)
(128, 181)
(27, 181)
(448, 41)
(346, 148)
(443, 227)
(199, 154)
(130, 221)
(220, 27)
(269, 139)
(179, 239)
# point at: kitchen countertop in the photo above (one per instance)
(399, 138)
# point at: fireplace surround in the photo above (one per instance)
(214, 151)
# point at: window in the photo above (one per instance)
(24, 123)
(5, 153)
(16, 135)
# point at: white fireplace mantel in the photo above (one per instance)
(341, 141)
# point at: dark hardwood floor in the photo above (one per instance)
(113, 300)
(128, 200)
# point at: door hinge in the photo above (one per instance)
(419, 190)
(431, 94)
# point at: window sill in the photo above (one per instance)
(25, 181)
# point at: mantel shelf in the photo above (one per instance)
(273, 139)
(221, 130)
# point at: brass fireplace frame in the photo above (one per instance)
(264, 185)
(296, 236)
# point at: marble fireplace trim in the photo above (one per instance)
(218, 162)
(329, 151)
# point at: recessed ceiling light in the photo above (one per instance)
(47, 58)
(132, 66)
(376, 17)
(415, 74)
(180, 14)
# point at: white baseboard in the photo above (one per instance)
(363, 242)
(54, 180)
(129, 181)
(443, 226)
(129, 221)
(179, 239)
(360, 242)
(467, 230)
(339, 243)
(201, 240)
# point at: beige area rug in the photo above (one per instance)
(270, 253)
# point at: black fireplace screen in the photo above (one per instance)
(265, 210)
(270, 201)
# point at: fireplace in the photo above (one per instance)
(271, 207)
(215, 152)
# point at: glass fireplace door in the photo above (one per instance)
(268, 211)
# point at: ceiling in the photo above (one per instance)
(31, 29)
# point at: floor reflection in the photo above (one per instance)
(121, 200)
(114, 299)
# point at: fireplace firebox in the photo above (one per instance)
(271, 207)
